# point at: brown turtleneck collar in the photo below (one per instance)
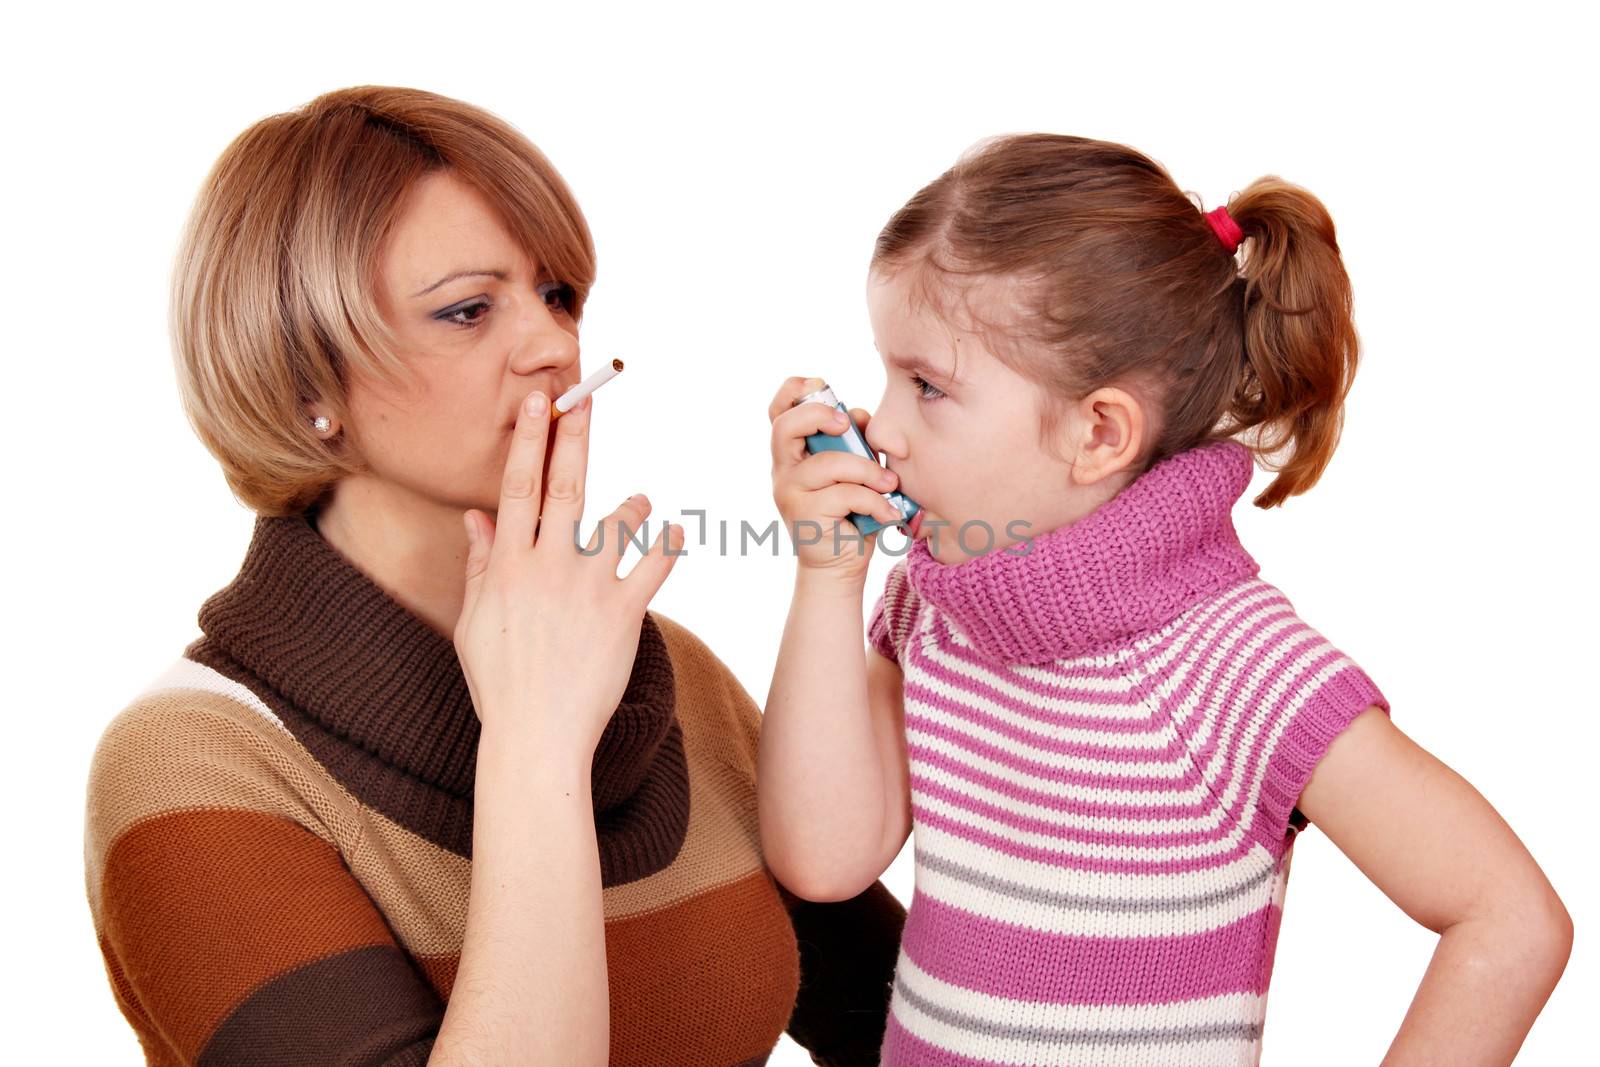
(378, 697)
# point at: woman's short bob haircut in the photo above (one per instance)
(276, 277)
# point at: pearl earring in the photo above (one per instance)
(322, 424)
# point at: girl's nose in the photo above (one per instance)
(882, 433)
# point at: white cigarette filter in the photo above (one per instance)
(569, 399)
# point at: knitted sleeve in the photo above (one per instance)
(231, 929)
(895, 613)
(847, 948)
(1271, 695)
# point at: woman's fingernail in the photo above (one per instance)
(839, 418)
(535, 403)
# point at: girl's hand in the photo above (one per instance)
(1452, 864)
(816, 493)
(547, 635)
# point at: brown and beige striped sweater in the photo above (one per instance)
(278, 845)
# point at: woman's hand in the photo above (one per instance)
(548, 634)
(815, 494)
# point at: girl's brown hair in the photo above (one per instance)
(1124, 282)
(275, 286)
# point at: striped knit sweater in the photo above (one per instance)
(1108, 730)
(278, 845)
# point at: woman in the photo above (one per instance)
(408, 800)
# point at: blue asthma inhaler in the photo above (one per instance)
(852, 441)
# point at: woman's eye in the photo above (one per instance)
(558, 296)
(925, 389)
(462, 314)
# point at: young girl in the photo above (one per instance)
(1103, 727)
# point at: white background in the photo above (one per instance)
(735, 165)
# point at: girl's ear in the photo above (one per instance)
(1108, 429)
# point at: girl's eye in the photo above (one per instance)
(925, 389)
(462, 314)
(558, 296)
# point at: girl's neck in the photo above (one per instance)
(1135, 563)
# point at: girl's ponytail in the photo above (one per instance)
(1300, 345)
(1125, 282)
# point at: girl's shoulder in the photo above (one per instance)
(895, 614)
(1251, 620)
(1257, 694)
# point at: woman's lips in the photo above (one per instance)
(916, 523)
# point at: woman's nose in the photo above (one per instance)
(542, 341)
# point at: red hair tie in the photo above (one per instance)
(1225, 228)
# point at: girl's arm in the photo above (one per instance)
(1452, 864)
(831, 778)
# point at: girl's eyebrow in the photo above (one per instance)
(920, 366)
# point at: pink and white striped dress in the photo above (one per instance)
(1107, 733)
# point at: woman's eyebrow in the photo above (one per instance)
(476, 273)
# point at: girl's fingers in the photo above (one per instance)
(841, 499)
(569, 463)
(520, 486)
(825, 468)
(789, 393)
(792, 427)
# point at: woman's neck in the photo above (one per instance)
(415, 550)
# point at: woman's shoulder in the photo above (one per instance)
(713, 707)
(189, 712)
(191, 741)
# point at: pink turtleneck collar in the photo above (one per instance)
(1130, 566)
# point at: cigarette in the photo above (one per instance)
(569, 399)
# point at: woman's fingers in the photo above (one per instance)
(651, 571)
(564, 486)
(477, 562)
(521, 485)
(621, 526)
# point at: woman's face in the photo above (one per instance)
(480, 327)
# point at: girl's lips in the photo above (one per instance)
(916, 523)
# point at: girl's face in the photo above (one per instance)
(967, 447)
(480, 327)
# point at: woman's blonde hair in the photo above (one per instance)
(276, 278)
